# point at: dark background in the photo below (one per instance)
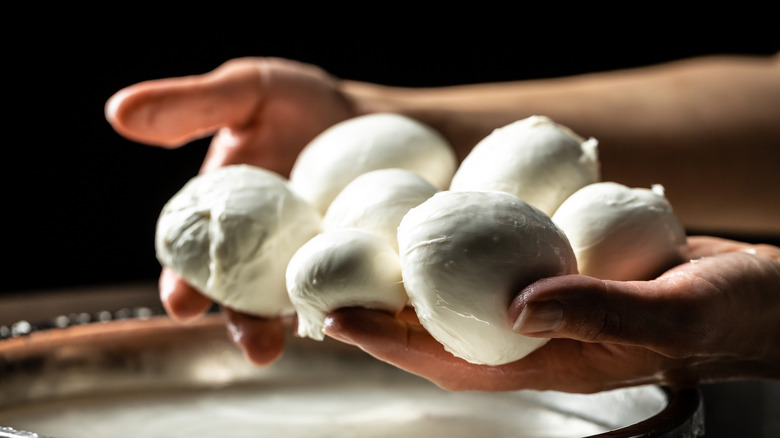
(81, 201)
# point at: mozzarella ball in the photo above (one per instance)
(343, 268)
(230, 233)
(361, 144)
(464, 255)
(622, 233)
(535, 159)
(377, 201)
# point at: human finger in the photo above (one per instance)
(561, 364)
(409, 347)
(655, 315)
(181, 301)
(173, 111)
(695, 309)
(705, 246)
(261, 339)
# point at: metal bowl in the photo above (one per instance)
(149, 376)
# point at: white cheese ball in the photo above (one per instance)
(377, 201)
(370, 142)
(622, 233)
(464, 255)
(230, 233)
(535, 159)
(343, 268)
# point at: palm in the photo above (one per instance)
(561, 364)
(681, 326)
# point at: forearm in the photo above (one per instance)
(707, 129)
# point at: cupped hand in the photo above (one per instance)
(714, 317)
(259, 111)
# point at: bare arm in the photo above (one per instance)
(708, 129)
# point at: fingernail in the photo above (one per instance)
(539, 317)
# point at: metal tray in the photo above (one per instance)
(149, 376)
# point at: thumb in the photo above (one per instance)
(639, 313)
(173, 111)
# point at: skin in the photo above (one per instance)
(686, 326)
(714, 318)
(247, 105)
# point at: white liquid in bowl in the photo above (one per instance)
(325, 409)
(156, 380)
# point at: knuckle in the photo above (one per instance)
(606, 326)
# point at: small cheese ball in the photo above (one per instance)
(230, 233)
(377, 201)
(370, 142)
(464, 255)
(535, 159)
(622, 233)
(345, 267)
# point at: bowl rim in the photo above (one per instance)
(682, 414)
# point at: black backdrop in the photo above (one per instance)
(81, 202)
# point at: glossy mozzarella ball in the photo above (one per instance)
(377, 201)
(535, 159)
(343, 268)
(464, 255)
(230, 233)
(622, 233)
(361, 144)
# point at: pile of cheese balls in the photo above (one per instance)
(377, 213)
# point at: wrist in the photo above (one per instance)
(440, 108)
(367, 98)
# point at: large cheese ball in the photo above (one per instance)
(370, 142)
(535, 159)
(230, 233)
(622, 233)
(464, 255)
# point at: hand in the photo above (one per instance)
(715, 317)
(260, 111)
